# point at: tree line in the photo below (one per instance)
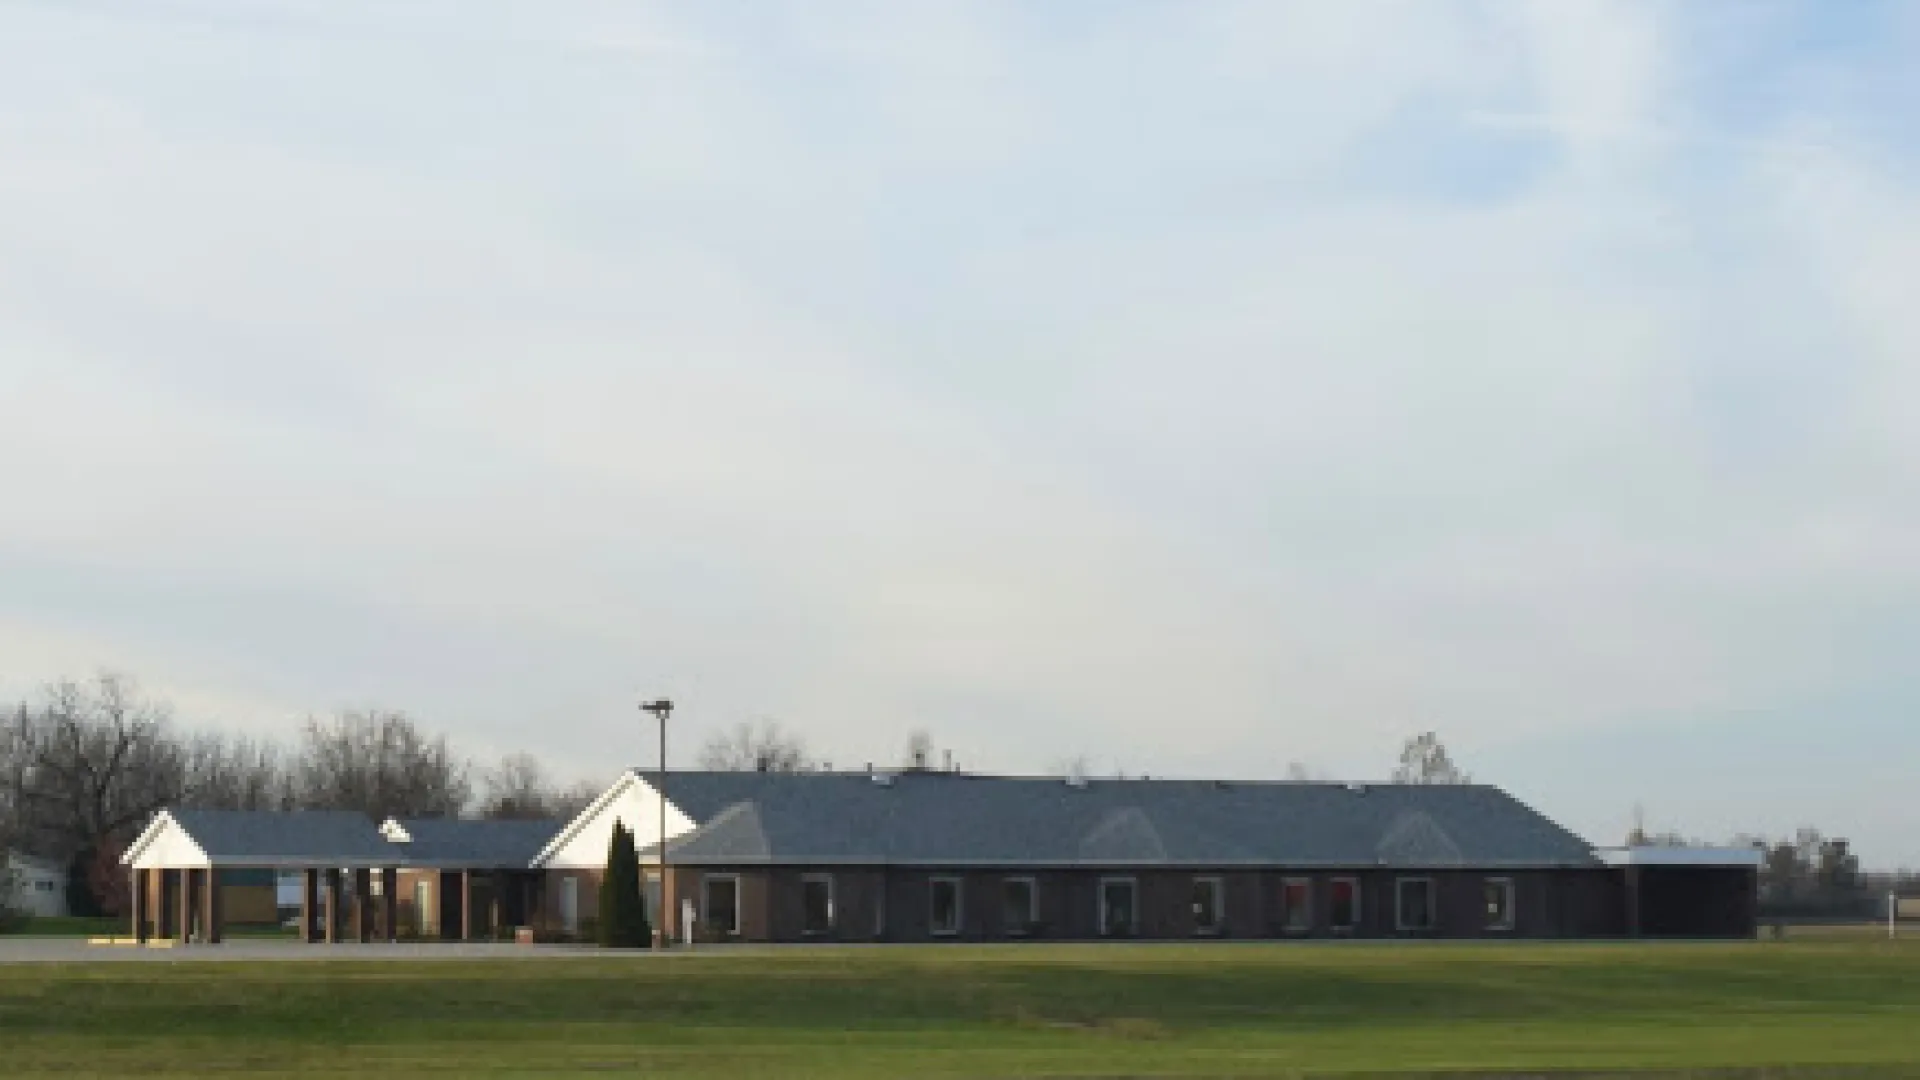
(84, 767)
(1808, 874)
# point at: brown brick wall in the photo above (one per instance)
(1546, 904)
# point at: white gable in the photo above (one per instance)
(582, 845)
(165, 846)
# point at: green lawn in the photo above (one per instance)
(87, 926)
(1822, 1007)
(69, 926)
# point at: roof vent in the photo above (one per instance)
(883, 779)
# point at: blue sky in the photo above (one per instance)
(1197, 386)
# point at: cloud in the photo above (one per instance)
(1201, 389)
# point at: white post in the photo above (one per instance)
(1893, 916)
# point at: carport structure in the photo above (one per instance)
(175, 862)
(1688, 892)
(465, 879)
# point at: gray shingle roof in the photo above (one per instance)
(935, 818)
(310, 837)
(477, 844)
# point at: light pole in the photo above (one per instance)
(662, 708)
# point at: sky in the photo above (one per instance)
(1196, 386)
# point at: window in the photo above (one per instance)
(816, 901)
(1413, 904)
(722, 896)
(1296, 905)
(1119, 914)
(1343, 912)
(43, 886)
(944, 903)
(1209, 905)
(1498, 894)
(650, 891)
(1019, 905)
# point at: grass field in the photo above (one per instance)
(83, 926)
(1831, 1006)
(68, 926)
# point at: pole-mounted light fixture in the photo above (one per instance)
(662, 708)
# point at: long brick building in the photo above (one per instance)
(922, 856)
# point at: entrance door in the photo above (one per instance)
(570, 904)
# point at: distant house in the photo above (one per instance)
(943, 856)
(38, 886)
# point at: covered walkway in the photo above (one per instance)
(349, 872)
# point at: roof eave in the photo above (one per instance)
(624, 782)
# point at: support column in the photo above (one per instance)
(363, 905)
(669, 909)
(496, 906)
(390, 903)
(210, 907)
(309, 890)
(139, 906)
(466, 905)
(183, 907)
(332, 903)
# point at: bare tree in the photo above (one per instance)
(919, 751)
(100, 760)
(762, 747)
(569, 804)
(1424, 760)
(237, 774)
(518, 787)
(1077, 767)
(16, 758)
(86, 768)
(380, 764)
